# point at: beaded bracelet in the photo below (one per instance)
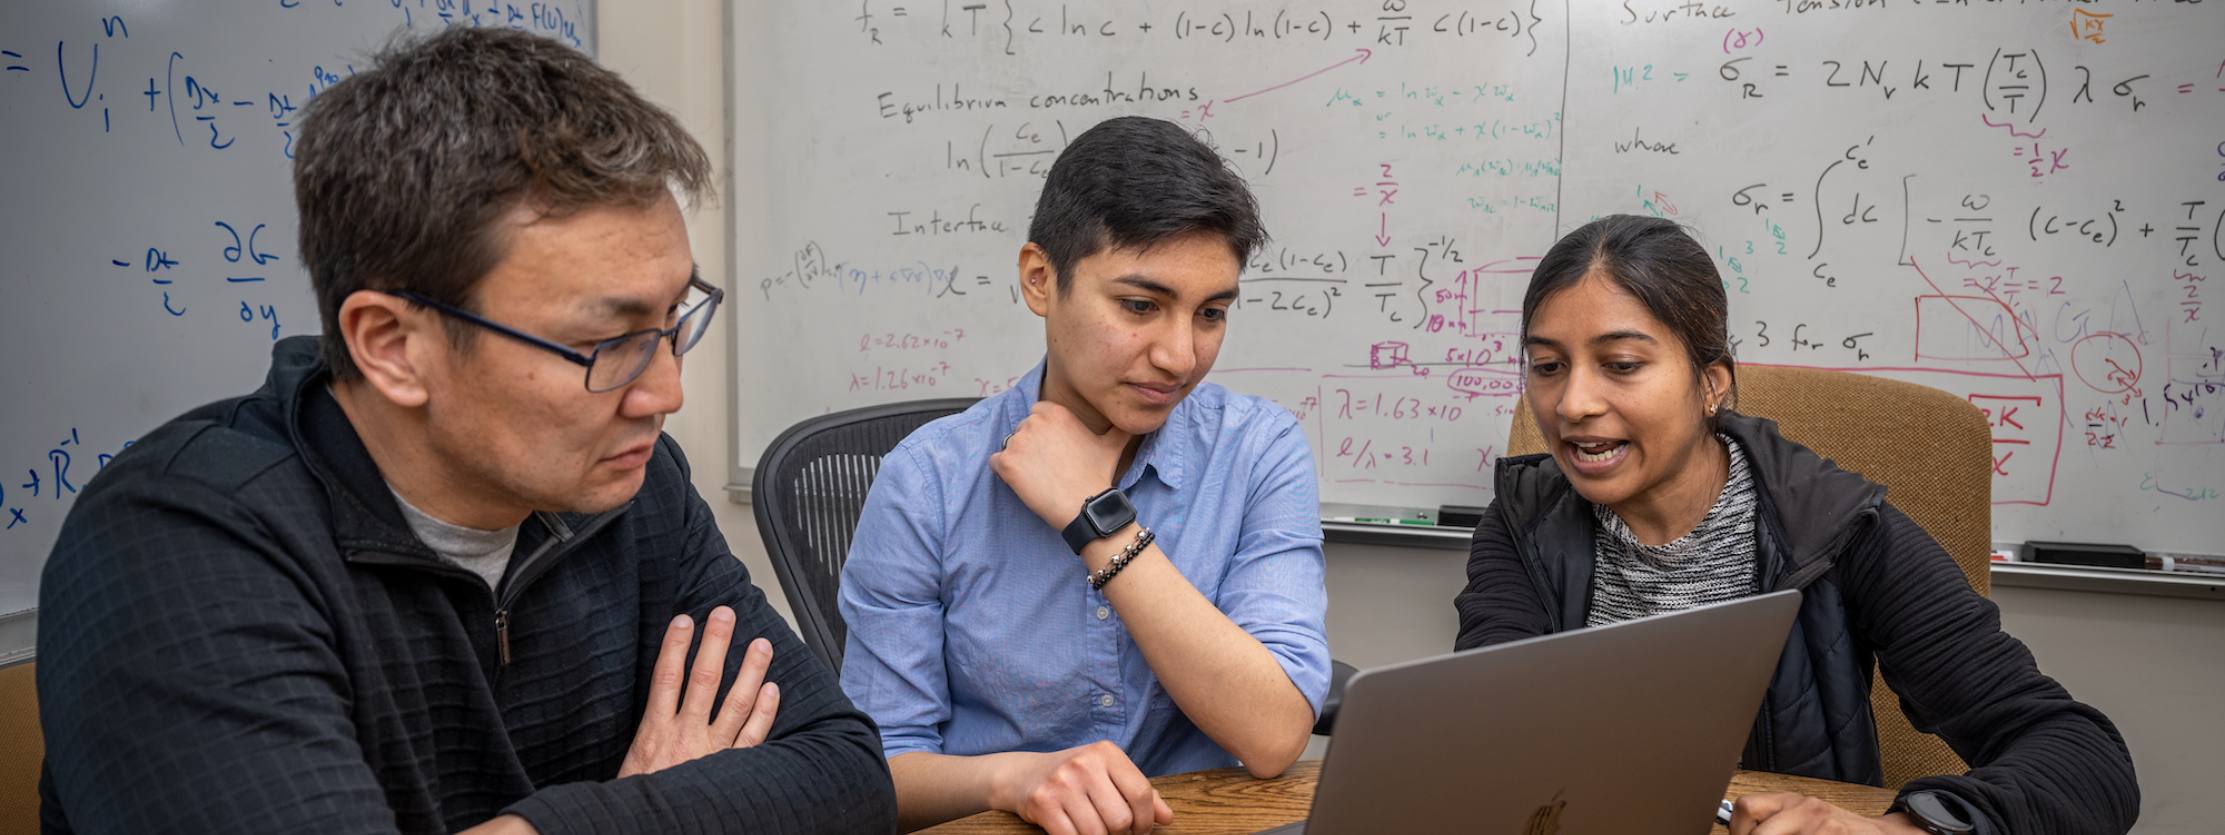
(1098, 579)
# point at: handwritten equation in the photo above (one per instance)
(153, 86)
(1018, 26)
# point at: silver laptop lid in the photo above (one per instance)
(1633, 727)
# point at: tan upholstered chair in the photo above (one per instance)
(21, 750)
(1933, 451)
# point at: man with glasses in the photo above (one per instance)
(443, 571)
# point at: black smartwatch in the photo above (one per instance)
(1102, 516)
(1936, 813)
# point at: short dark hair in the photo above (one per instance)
(1134, 182)
(1658, 262)
(401, 171)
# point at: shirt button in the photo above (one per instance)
(1105, 700)
(1104, 612)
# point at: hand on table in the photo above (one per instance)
(1798, 814)
(1090, 790)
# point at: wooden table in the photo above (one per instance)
(1230, 801)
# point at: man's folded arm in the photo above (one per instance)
(820, 770)
(188, 680)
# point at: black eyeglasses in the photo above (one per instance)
(616, 361)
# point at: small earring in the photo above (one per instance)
(1711, 409)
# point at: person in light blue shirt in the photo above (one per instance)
(1112, 570)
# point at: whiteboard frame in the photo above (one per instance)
(738, 475)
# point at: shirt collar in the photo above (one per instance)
(365, 516)
(1164, 453)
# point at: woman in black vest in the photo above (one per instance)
(1657, 497)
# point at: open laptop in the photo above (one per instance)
(1634, 727)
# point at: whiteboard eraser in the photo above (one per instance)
(2085, 553)
(1459, 515)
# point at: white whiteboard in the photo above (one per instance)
(147, 216)
(1414, 158)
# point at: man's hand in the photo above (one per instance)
(674, 730)
(1054, 463)
(503, 825)
(1090, 790)
(1795, 814)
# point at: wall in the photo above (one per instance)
(675, 53)
(2152, 664)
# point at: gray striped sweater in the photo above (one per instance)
(1712, 564)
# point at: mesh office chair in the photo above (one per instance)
(1941, 476)
(809, 489)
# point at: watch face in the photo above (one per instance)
(1109, 511)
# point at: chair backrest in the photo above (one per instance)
(22, 749)
(807, 493)
(1931, 450)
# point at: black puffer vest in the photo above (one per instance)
(1815, 719)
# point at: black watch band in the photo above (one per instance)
(1102, 515)
(1936, 812)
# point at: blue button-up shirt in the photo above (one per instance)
(972, 627)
